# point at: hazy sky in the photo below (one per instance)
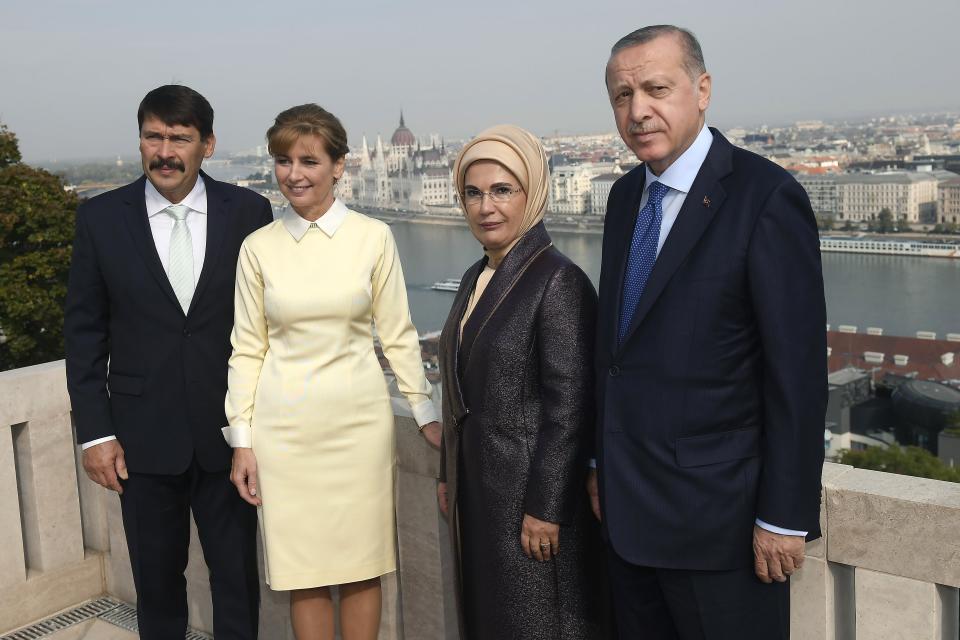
(72, 73)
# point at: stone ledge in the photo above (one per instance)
(33, 393)
(831, 471)
(895, 524)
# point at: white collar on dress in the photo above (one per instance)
(328, 222)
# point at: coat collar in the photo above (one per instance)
(702, 203)
(531, 245)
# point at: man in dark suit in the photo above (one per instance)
(711, 363)
(148, 318)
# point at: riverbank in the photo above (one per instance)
(593, 225)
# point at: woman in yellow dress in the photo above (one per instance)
(307, 405)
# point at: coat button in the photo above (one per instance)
(614, 371)
(186, 333)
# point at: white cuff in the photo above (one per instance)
(425, 413)
(238, 436)
(784, 532)
(93, 443)
(592, 463)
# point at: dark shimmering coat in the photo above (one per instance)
(518, 418)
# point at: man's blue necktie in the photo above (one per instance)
(643, 253)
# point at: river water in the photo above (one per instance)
(902, 295)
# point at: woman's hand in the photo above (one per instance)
(442, 497)
(243, 475)
(539, 539)
(432, 432)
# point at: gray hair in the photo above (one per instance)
(693, 54)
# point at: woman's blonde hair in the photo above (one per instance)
(307, 120)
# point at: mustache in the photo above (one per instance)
(640, 127)
(167, 163)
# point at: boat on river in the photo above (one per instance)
(891, 246)
(450, 284)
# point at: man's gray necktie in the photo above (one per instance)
(180, 267)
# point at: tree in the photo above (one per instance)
(909, 461)
(824, 223)
(9, 148)
(885, 222)
(36, 230)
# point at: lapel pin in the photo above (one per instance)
(706, 201)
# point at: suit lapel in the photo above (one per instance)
(135, 218)
(533, 243)
(217, 221)
(702, 203)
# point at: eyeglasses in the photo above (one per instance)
(155, 140)
(472, 197)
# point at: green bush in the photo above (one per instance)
(908, 461)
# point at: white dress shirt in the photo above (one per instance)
(161, 226)
(679, 176)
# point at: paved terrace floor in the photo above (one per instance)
(93, 630)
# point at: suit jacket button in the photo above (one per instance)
(614, 371)
(186, 333)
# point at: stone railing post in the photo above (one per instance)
(426, 569)
(43, 564)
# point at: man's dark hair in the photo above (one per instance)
(177, 104)
(693, 55)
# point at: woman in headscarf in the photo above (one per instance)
(516, 362)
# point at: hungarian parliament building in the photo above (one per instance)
(417, 175)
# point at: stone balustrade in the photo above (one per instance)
(887, 567)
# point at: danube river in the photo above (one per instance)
(902, 295)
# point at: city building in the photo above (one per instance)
(600, 192)
(853, 420)
(910, 196)
(571, 187)
(821, 188)
(401, 174)
(948, 201)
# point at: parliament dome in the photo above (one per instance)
(403, 137)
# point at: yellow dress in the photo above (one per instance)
(306, 391)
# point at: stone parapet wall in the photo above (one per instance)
(887, 567)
